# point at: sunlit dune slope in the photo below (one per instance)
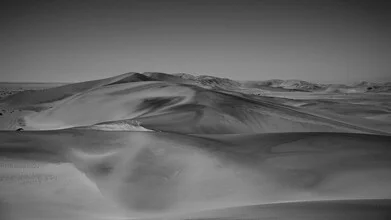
(155, 173)
(166, 106)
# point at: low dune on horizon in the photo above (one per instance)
(178, 146)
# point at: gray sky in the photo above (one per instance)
(77, 40)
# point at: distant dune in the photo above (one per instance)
(10, 88)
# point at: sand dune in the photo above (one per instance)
(163, 146)
(167, 106)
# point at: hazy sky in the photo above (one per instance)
(76, 40)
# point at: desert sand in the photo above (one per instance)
(161, 146)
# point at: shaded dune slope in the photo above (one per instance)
(155, 173)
